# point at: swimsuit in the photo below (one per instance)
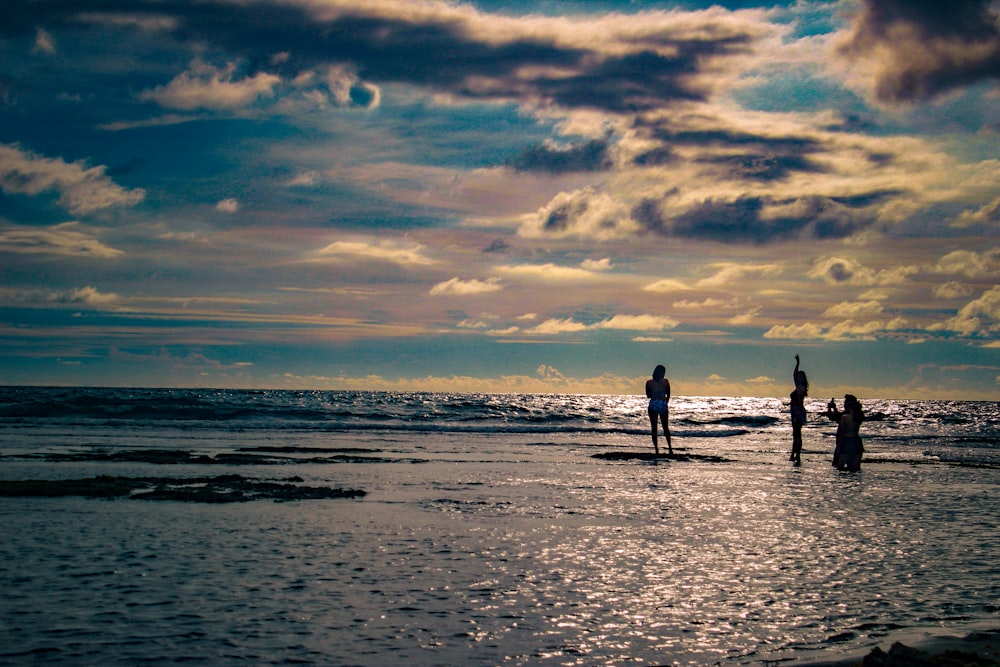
(658, 405)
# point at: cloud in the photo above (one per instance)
(686, 304)
(744, 319)
(987, 215)
(666, 285)
(548, 271)
(755, 219)
(838, 270)
(639, 323)
(596, 264)
(83, 296)
(44, 42)
(588, 213)
(951, 290)
(206, 87)
(67, 240)
(387, 251)
(552, 158)
(853, 309)
(738, 273)
(803, 331)
(555, 327)
(980, 317)
(970, 264)
(81, 189)
(842, 331)
(457, 287)
(558, 326)
(229, 205)
(913, 50)
(614, 62)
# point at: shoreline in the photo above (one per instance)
(926, 649)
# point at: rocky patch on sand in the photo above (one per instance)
(650, 456)
(220, 489)
(245, 456)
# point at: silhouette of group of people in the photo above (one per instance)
(846, 454)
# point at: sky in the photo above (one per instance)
(502, 196)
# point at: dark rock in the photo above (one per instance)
(220, 489)
(650, 456)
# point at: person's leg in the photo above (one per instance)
(652, 426)
(666, 431)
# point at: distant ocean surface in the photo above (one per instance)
(493, 530)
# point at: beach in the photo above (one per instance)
(491, 530)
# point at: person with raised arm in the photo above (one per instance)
(798, 410)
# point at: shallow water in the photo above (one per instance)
(491, 547)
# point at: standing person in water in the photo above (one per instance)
(847, 455)
(658, 391)
(798, 409)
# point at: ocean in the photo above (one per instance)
(226, 527)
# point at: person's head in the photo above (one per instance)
(659, 372)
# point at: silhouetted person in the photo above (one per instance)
(847, 455)
(798, 410)
(658, 391)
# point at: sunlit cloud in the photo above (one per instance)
(746, 318)
(557, 326)
(548, 271)
(69, 239)
(388, 251)
(987, 215)
(970, 264)
(979, 317)
(951, 290)
(734, 273)
(704, 304)
(81, 189)
(639, 323)
(838, 270)
(204, 86)
(457, 287)
(846, 330)
(597, 265)
(666, 285)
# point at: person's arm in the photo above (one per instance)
(667, 382)
(649, 389)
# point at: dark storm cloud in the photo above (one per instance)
(749, 156)
(589, 156)
(437, 47)
(760, 219)
(932, 46)
(763, 167)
